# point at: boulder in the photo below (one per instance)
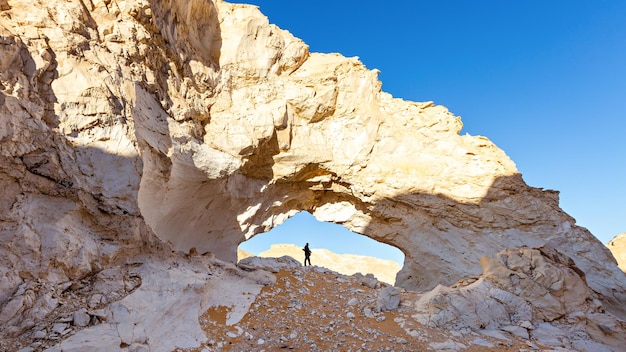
(388, 299)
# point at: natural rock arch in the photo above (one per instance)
(442, 238)
(284, 130)
(222, 135)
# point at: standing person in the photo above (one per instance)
(307, 254)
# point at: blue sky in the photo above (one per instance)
(545, 80)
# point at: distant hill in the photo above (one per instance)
(617, 246)
(243, 254)
(347, 264)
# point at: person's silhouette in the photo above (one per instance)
(307, 254)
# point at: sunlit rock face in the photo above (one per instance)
(617, 246)
(132, 125)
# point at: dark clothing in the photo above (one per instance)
(307, 254)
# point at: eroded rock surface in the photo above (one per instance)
(533, 293)
(145, 129)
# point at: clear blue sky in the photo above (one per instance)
(544, 80)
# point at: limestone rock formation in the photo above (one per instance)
(617, 246)
(150, 304)
(383, 269)
(535, 293)
(137, 134)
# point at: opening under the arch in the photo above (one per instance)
(332, 245)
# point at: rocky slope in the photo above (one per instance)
(314, 309)
(346, 264)
(142, 141)
(525, 299)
